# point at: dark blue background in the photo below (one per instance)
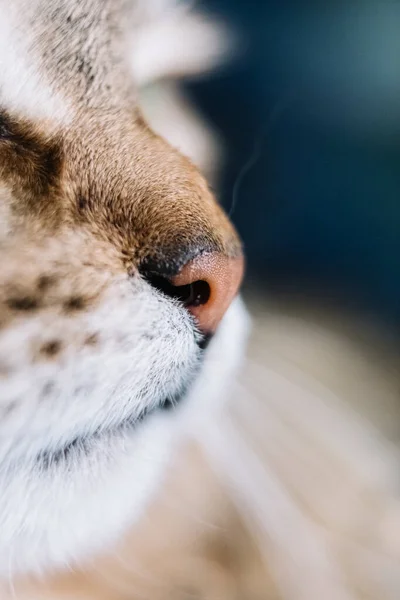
(312, 97)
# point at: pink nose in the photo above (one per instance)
(213, 281)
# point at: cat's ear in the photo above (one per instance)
(178, 43)
(30, 162)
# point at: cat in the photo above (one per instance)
(118, 269)
(277, 480)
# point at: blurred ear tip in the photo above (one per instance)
(182, 43)
(216, 42)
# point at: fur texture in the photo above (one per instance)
(90, 351)
(291, 492)
(288, 491)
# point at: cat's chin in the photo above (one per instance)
(83, 500)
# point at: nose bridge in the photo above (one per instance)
(181, 225)
(178, 216)
(144, 190)
(144, 196)
(158, 211)
(192, 252)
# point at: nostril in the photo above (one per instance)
(198, 293)
(205, 285)
(192, 294)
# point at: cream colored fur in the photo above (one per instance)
(78, 375)
(290, 491)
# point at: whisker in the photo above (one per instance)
(257, 149)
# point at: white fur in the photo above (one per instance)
(23, 88)
(307, 445)
(180, 43)
(59, 513)
(62, 513)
